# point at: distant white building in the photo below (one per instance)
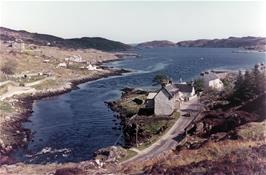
(61, 65)
(261, 67)
(75, 58)
(211, 80)
(91, 67)
(46, 61)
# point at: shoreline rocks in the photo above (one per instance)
(109, 154)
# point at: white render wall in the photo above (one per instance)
(216, 84)
(162, 105)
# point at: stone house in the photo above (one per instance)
(168, 98)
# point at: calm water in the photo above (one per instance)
(72, 126)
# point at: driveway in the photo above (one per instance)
(169, 140)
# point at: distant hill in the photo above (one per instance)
(249, 42)
(152, 44)
(50, 40)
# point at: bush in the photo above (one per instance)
(161, 79)
(9, 67)
(199, 85)
(21, 84)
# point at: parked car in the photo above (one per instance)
(187, 114)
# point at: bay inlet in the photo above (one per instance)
(72, 126)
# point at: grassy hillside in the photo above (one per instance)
(50, 40)
(252, 43)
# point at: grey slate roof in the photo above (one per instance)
(173, 89)
(185, 88)
(210, 76)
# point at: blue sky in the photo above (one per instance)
(133, 22)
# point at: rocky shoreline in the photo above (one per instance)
(13, 126)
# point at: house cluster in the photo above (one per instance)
(168, 99)
(19, 45)
(76, 59)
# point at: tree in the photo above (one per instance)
(238, 91)
(161, 79)
(199, 85)
(249, 85)
(9, 67)
(259, 80)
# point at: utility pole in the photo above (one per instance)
(137, 128)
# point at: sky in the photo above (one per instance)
(134, 22)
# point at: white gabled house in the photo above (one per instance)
(211, 80)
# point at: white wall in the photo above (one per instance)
(216, 84)
(162, 104)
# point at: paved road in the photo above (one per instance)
(167, 141)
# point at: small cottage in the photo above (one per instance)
(168, 98)
(211, 80)
(186, 91)
(61, 65)
(91, 67)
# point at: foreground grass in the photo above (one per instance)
(129, 106)
(252, 135)
(47, 84)
(3, 89)
(5, 107)
(154, 128)
(130, 153)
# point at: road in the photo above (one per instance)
(168, 140)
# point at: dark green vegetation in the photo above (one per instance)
(227, 138)
(161, 79)
(248, 86)
(238, 89)
(50, 40)
(198, 85)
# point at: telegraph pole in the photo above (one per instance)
(137, 128)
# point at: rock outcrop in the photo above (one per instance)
(109, 154)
